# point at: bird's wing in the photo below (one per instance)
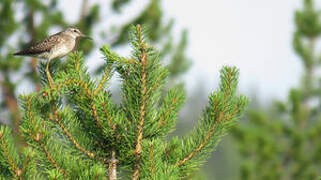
(42, 46)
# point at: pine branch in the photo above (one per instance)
(65, 123)
(37, 137)
(138, 149)
(152, 161)
(167, 113)
(96, 118)
(66, 84)
(88, 92)
(72, 139)
(156, 83)
(26, 164)
(14, 167)
(90, 95)
(207, 137)
(104, 79)
(108, 117)
(199, 148)
(49, 156)
(223, 108)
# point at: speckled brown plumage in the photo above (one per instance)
(43, 46)
(55, 46)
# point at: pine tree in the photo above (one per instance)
(27, 29)
(281, 142)
(11, 27)
(74, 130)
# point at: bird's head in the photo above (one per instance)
(75, 33)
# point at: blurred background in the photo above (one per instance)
(276, 45)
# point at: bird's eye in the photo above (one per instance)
(75, 30)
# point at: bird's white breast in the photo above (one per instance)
(62, 49)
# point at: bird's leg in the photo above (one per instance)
(51, 82)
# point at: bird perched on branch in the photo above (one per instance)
(55, 46)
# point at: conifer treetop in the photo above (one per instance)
(75, 131)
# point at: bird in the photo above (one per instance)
(55, 46)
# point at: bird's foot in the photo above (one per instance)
(50, 80)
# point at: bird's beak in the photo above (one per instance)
(86, 37)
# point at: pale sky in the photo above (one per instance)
(254, 35)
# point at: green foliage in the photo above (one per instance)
(28, 28)
(159, 33)
(73, 130)
(39, 17)
(281, 142)
(308, 20)
(117, 4)
(8, 24)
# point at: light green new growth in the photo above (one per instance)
(75, 131)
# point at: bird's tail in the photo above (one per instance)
(20, 53)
